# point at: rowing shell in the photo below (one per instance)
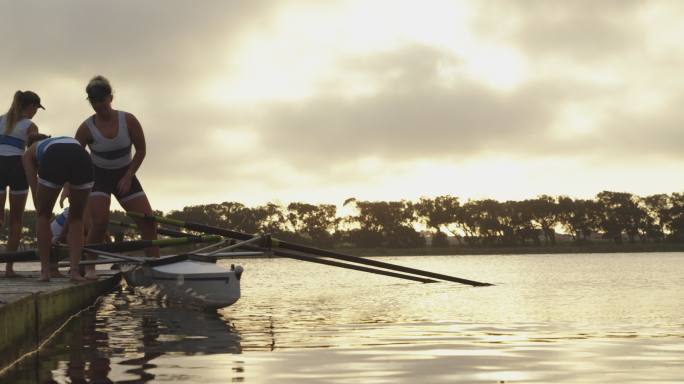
(193, 280)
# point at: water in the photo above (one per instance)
(591, 318)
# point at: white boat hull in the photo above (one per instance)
(187, 281)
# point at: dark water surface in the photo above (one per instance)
(591, 318)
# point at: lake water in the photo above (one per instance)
(589, 318)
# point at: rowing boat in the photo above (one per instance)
(192, 280)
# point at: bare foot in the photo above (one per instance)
(91, 275)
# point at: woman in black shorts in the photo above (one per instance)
(49, 164)
(111, 135)
(15, 126)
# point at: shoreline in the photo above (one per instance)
(464, 250)
(561, 248)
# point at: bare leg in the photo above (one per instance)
(46, 201)
(99, 218)
(17, 205)
(9, 269)
(3, 198)
(77, 203)
(148, 229)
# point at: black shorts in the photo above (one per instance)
(106, 181)
(12, 175)
(65, 162)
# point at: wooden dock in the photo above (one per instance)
(30, 311)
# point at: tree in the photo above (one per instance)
(579, 217)
(384, 223)
(271, 219)
(486, 218)
(464, 219)
(437, 213)
(315, 222)
(544, 211)
(657, 208)
(620, 214)
(522, 223)
(676, 217)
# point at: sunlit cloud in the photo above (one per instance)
(320, 101)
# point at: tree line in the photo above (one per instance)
(616, 216)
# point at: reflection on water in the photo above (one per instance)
(119, 339)
(561, 318)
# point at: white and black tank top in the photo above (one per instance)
(112, 153)
(14, 143)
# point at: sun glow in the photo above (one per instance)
(575, 120)
(301, 51)
(234, 141)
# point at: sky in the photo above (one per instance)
(319, 101)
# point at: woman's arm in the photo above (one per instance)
(31, 170)
(138, 140)
(32, 129)
(83, 135)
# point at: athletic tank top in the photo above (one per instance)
(110, 153)
(43, 145)
(13, 144)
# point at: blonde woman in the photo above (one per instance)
(15, 127)
(111, 135)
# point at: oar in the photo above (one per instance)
(304, 249)
(117, 257)
(63, 264)
(134, 245)
(62, 251)
(104, 259)
(19, 256)
(161, 231)
(299, 256)
(312, 259)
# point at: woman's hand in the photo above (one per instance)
(124, 184)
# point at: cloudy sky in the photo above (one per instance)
(318, 101)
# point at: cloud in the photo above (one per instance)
(581, 30)
(411, 113)
(135, 38)
(317, 100)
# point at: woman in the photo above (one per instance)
(110, 134)
(49, 164)
(15, 126)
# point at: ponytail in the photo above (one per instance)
(12, 116)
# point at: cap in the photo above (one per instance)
(31, 98)
(98, 92)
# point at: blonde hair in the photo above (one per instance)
(14, 113)
(21, 100)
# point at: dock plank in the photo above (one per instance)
(30, 310)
